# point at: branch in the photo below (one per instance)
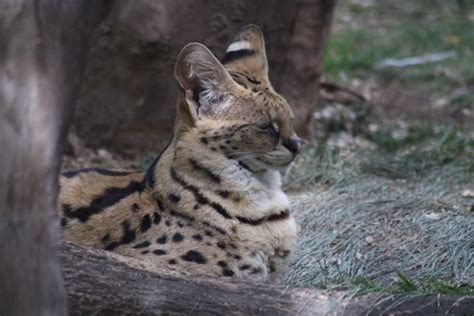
(99, 283)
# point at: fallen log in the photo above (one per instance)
(102, 283)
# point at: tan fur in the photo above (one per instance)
(212, 203)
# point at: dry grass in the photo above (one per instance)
(383, 219)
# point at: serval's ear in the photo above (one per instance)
(205, 82)
(246, 55)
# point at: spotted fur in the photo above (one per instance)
(211, 204)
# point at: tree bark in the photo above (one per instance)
(44, 45)
(102, 283)
(304, 61)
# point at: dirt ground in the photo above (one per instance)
(385, 195)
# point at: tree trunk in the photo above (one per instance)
(102, 283)
(304, 61)
(128, 97)
(42, 55)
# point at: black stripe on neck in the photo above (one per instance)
(208, 173)
(200, 198)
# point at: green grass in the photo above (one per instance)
(432, 27)
(405, 285)
(422, 149)
(414, 134)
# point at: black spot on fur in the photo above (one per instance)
(144, 252)
(145, 224)
(156, 218)
(110, 197)
(204, 140)
(177, 237)
(172, 261)
(272, 268)
(106, 238)
(174, 198)
(180, 224)
(194, 256)
(112, 246)
(221, 244)
(105, 172)
(168, 223)
(207, 172)
(256, 270)
(201, 199)
(162, 240)
(244, 267)
(228, 273)
(128, 236)
(142, 245)
(209, 233)
(135, 207)
(197, 237)
(160, 204)
(237, 54)
(159, 252)
(223, 194)
(222, 263)
(182, 215)
(67, 209)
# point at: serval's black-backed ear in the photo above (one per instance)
(246, 54)
(204, 80)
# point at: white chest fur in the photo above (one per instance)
(265, 196)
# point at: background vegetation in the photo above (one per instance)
(385, 201)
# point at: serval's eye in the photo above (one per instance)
(275, 127)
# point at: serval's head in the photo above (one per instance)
(231, 106)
